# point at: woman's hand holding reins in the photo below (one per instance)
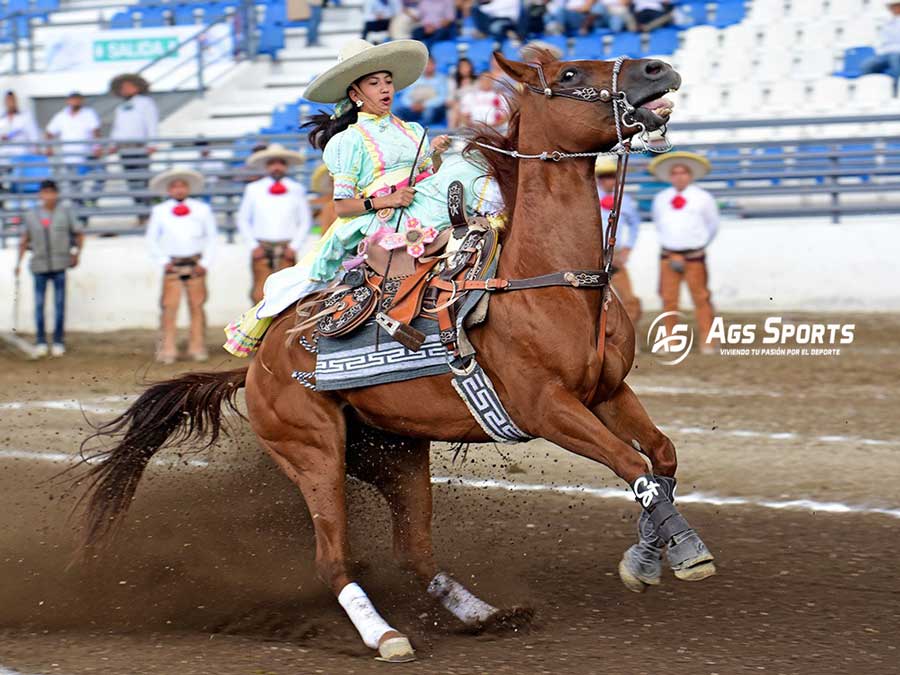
(402, 197)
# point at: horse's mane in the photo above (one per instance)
(503, 168)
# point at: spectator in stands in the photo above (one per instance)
(17, 127)
(322, 184)
(55, 238)
(887, 60)
(135, 123)
(377, 15)
(573, 16)
(629, 223)
(181, 236)
(274, 218)
(436, 21)
(463, 80)
(651, 14)
(484, 104)
(531, 20)
(316, 7)
(612, 14)
(426, 100)
(77, 127)
(496, 18)
(686, 219)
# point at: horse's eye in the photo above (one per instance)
(569, 75)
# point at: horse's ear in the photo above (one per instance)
(520, 72)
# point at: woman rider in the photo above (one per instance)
(370, 154)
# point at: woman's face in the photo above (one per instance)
(464, 68)
(10, 102)
(377, 92)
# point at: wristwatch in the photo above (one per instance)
(368, 205)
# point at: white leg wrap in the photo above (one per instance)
(363, 614)
(458, 600)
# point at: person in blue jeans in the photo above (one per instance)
(887, 60)
(55, 236)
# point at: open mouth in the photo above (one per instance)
(654, 110)
(386, 101)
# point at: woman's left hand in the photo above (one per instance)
(440, 144)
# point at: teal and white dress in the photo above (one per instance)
(370, 158)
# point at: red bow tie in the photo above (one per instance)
(277, 188)
(607, 202)
(181, 210)
(45, 222)
(678, 202)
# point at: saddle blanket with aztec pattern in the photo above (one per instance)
(370, 356)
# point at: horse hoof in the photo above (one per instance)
(511, 619)
(632, 581)
(396, 650)
(640, 567)
(689, 558)
(697, 572)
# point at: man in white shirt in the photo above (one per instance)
(274, 218)
(496, 18)
(136, 121)
(686, 219)
(651, 14)
(181, 236)
(76, 126)
(626, 234)
(887, 60)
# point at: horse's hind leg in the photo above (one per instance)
(305, 435)
(641, 565)
(400, 468)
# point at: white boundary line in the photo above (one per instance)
(91, 405)
(690, 498)
(497, 484)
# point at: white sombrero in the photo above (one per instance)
(405, 60)
(605, 166)
(161, 181)
(698, 165)
(259, 159)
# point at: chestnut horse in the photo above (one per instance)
(539, 347)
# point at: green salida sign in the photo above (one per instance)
(134, 49)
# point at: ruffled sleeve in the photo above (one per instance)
(343, 156)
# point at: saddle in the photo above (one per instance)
(446, 283)
(397, 288)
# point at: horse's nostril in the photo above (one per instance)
(654, 68)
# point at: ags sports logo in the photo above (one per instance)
(670, 348)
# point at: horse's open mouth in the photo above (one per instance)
(654, 111)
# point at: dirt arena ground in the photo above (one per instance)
(789, 468)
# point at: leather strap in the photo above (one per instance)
(586, 279)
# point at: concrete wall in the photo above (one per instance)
(807, 265)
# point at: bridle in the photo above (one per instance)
(623, 115)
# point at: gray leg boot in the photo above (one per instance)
(688, 556)
(641, 566)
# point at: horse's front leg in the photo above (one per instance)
(610, 434)
(641, 565)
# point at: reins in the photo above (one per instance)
(623, 112)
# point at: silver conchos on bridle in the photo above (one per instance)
(623, 115)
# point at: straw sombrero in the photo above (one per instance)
(605, 166)
(138, 81)
(316, 181)
(259, 159)
(161, 181)
(405, 60)
(662, 165)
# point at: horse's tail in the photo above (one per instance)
(183, 409)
